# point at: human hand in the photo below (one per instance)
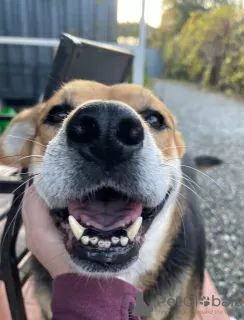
(42, 237)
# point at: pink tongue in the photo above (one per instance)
(105, 215)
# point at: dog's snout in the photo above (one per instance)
(105, 132)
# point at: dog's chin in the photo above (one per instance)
(99, 240)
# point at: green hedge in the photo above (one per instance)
(209, 49)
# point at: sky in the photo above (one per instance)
(130, 11)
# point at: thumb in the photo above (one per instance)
(35, 212)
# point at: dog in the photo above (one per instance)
(109, 163)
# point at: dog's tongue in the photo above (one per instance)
(105, 215)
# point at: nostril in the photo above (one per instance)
(130, 132)
(84, 130)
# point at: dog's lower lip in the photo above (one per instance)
(111, 256)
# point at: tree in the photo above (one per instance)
(176, 13)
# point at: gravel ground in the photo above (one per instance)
(213, 124)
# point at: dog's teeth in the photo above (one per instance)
(76, 228)
(94, 240)
(85, 240)
(134, 228)
(107, 244)
(115, 240)
(101, 244)
(124, 241)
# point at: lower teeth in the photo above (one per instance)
(79, 230)
(94, 240)
(85, 240)
(123, 241)
(115, 240)
(101, 244)
(107, 244)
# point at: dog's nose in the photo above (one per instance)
(105, 132)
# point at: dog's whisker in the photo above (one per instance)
(26, 181)
(22, 158)
(185, 198)
(205, 193)
(204, 202)
(192, 168)
(6, 232)
(191, 181)
(206, 175)
(28, 173)
(11, 223)
(27, 139)
(192, 191)
(20, 195)
(57, 82)
(15, 155)
(16, 215)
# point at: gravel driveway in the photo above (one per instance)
(213, 124)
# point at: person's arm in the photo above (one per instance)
(74, 296)
(80, 298)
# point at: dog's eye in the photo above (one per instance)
(155, 120)
(56, 115)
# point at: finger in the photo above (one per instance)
(34, 210)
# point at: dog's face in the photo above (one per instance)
(106, 160)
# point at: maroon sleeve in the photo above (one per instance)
(78, 298)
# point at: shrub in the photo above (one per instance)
(209, 49)
(232, 72)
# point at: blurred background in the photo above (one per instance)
(192, 56)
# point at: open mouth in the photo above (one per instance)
(105, 228)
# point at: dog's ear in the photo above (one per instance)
(16, 142)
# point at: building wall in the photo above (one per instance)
(24, 70)
(153, 60)
(154, 64)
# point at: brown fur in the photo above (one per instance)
(77, 93)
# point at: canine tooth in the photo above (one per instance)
(107, 244)
(94, 240)
(101, 244)
(134, 228)
(115, 240)
(85, 240)
(124, 241)
(76, 228)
